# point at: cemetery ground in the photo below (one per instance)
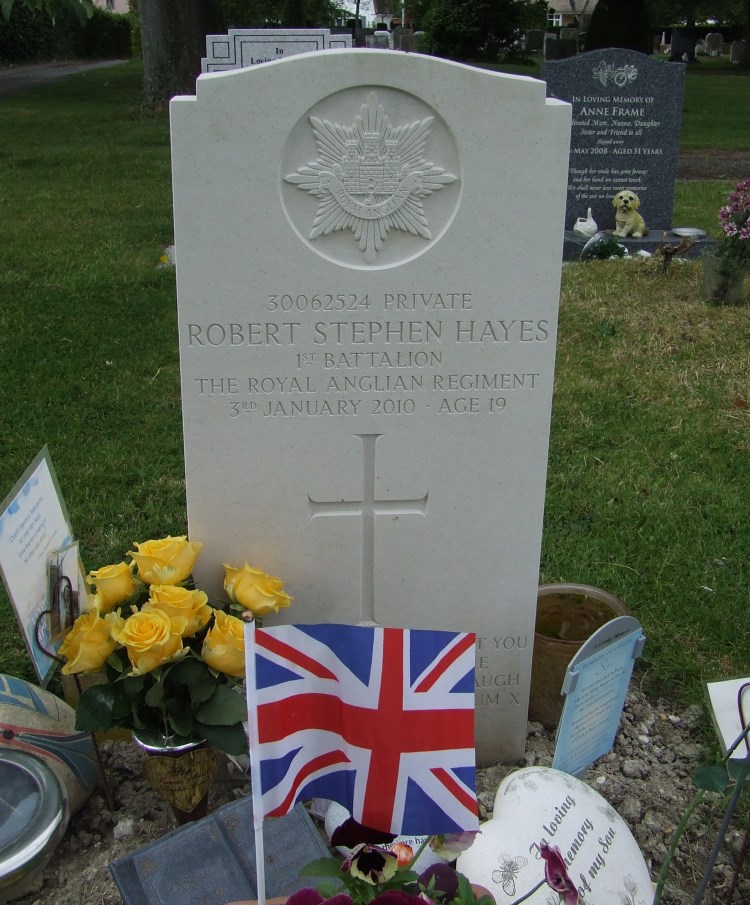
(647, 483)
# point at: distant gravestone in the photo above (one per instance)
(366, 405)
(682, 44)
(737, 52)
(534, 41)
(714, 41)
(380, 40)
(627, 111)
(243, 47)
(537, 804)
(403, 39)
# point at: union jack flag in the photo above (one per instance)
(380, 720)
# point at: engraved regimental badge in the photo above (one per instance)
(371, 177)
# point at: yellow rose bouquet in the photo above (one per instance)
(172, 661)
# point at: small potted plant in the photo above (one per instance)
(724, 268)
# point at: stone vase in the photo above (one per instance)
(722, 284)
(180, 774)
(566, 616)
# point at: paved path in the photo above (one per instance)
(20, 79)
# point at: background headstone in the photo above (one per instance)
(243, 47)
(534, 41)
(736, 52)
(714, 40)
(627, 112)
(367, 302)
(682, 44)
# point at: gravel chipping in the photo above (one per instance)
(647, 778)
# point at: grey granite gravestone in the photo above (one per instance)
(212, 861)
(682, 44)
(627, 110)
(714, 40)
(737, 52)
(242, 47)
(534, 40)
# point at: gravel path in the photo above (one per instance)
(647, 778)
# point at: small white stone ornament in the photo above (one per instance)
(538, 804)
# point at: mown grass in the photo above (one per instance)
(647, 488)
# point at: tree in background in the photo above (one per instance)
(620, 23)
(84, 9)
(173, 41)
(282, 13)
(471, 29)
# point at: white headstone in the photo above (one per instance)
(368, 248)
(243, 47)
(538, 804)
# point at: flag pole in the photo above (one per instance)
(254, 750)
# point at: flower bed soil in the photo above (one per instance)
(647, 778)
(713, 165)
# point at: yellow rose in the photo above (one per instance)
(87, 645)
(224, 645)
(113, 585)
(254, 590)
(166, 561)
(180, 604)
(150, 638)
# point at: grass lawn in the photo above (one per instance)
(647, 488)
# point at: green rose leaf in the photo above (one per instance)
(229, 739)
(322, 867)
(95, 709)
(202, 690)
(712, 779)
(181, 722)
(155, 695)
(224, 708)
(188, 671)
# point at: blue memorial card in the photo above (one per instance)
(596, 687)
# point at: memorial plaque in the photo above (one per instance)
(168, 871)
(367, 298)
(627, 110)
(536, 805)
(595, 688)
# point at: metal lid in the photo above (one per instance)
(34, 815)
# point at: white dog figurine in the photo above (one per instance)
(628, 222)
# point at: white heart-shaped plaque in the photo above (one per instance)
(537, 803)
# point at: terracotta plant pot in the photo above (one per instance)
(566, 616)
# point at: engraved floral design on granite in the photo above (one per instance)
(370, 177)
